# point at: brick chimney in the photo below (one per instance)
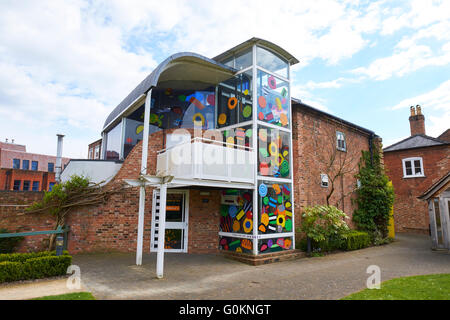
(417, 120)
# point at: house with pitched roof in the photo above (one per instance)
(414, 165)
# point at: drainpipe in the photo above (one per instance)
(59, 158)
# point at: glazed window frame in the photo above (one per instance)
(413, 167)
(341, 143)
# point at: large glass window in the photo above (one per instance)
(16, 186)
(235, 100)
(35, 186)
(51, 167)
(34, 165)
(236, 211)
(113, 143)
(16, 163)
(273, 100)
(243, 60)
(273, 153)
(26, 185)
(275, 207)
(25, 164)
(271, 62)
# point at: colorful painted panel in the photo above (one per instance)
(236, 244)
(274, 245)
(273, 100)
(236, 211)
(239, 136)
(172, 108)
(273, 153)
(275, 205)
(235, 100)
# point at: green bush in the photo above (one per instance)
(22, 257)
(7, 245)
(323, 222)
(355, 240)
(27, 266)
(351, 240)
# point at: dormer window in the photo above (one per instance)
(413, 167)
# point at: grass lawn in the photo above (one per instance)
(69, 296)
(429, 287)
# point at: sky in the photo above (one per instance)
(65, 65)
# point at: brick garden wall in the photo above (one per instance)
(14, 218)
(410, 213)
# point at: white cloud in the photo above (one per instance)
(435, 106)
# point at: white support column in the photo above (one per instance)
(161, 230)
(255, 153)
(140, 235)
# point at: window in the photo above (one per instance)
(35, 186)
(17, 185)
(50, 186)
(26, 185)
(271, 62)
(340, 141)
(51, 167)
(91, 156)
(324, 180)
(34, 165)
(413, 167)
(97, 152)
(16, 163)
(26, 164)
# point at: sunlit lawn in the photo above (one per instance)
(428, 287)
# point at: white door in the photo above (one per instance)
(177, 214)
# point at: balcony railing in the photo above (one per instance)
(206, 159)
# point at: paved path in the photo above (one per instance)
(114, 276)
(35, 289)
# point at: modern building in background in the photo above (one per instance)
(414, 165)
(24, 171)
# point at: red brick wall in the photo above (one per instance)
(314, 138)
(113, 226)
(410, 213)
(7, 177)
(14, 218)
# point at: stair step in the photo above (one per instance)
(264, 258)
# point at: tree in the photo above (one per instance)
(375, 196)
(76, 192)
(336, 163)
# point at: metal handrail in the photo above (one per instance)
(207, 140)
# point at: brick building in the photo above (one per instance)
(24, 171)
(414, 165)
(229, 154)
(95, 150)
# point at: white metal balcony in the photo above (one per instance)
(204, 159)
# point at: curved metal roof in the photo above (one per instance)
(280, 51)
(177, 64)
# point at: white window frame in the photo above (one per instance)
(338, 133)
(324, 181)
(97, 152)
(413, 175)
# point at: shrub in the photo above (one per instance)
(355, 240)
(7, 245)
(27, 266)
(375, 196)
(321, 223)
